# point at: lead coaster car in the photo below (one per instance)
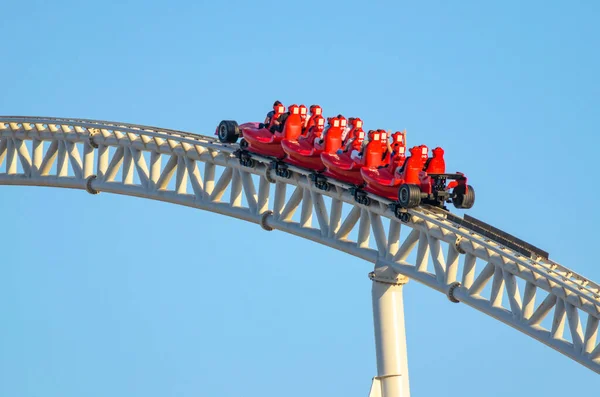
(435, 192)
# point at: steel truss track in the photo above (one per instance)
(538, 297)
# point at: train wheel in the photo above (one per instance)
(409, 195)
(405, 217)
(461, 199)
(322, 185)
(228, 131)
(248, 162)
(363, 199)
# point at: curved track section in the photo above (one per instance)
(538, 297)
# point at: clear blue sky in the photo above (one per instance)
(116, 296)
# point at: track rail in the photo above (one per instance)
(547, 301)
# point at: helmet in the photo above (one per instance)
(374, 135)
(356, 122)
(398, 137)
(384, 137)
(320, 123)
(303, 111)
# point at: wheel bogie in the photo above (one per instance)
(323, 185)
(281, 170)
(404, 217)
(247, 162)
(361, 197)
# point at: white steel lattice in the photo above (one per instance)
(538, 297)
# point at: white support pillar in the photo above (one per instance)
(390, 335)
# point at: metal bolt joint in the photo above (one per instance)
(268, 175)
(395, 279)
(88, 185)
(457, 245)
(263, 220)
(451, 290)
(93, 144)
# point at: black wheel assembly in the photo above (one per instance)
(228, 131)
(409, 195)
(463, 200)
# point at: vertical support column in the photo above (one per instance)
(390, 335)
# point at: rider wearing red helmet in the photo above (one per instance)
(303, 115)
(272, 113)
(315, 111)
(356, 127)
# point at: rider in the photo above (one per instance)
(356, 127)
(314, 132)
(272, 113)
(278, 124)
(357, 146)
(303, 116)
(315, 110)
(346, 126)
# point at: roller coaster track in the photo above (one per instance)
(542, 299)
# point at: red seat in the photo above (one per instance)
(292, 129)
(373, 151)
(436, 164)
(302, 152)
(414, 164)
(333, 136)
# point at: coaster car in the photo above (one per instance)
(419, 180)
(346, 166)
(306, 151)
